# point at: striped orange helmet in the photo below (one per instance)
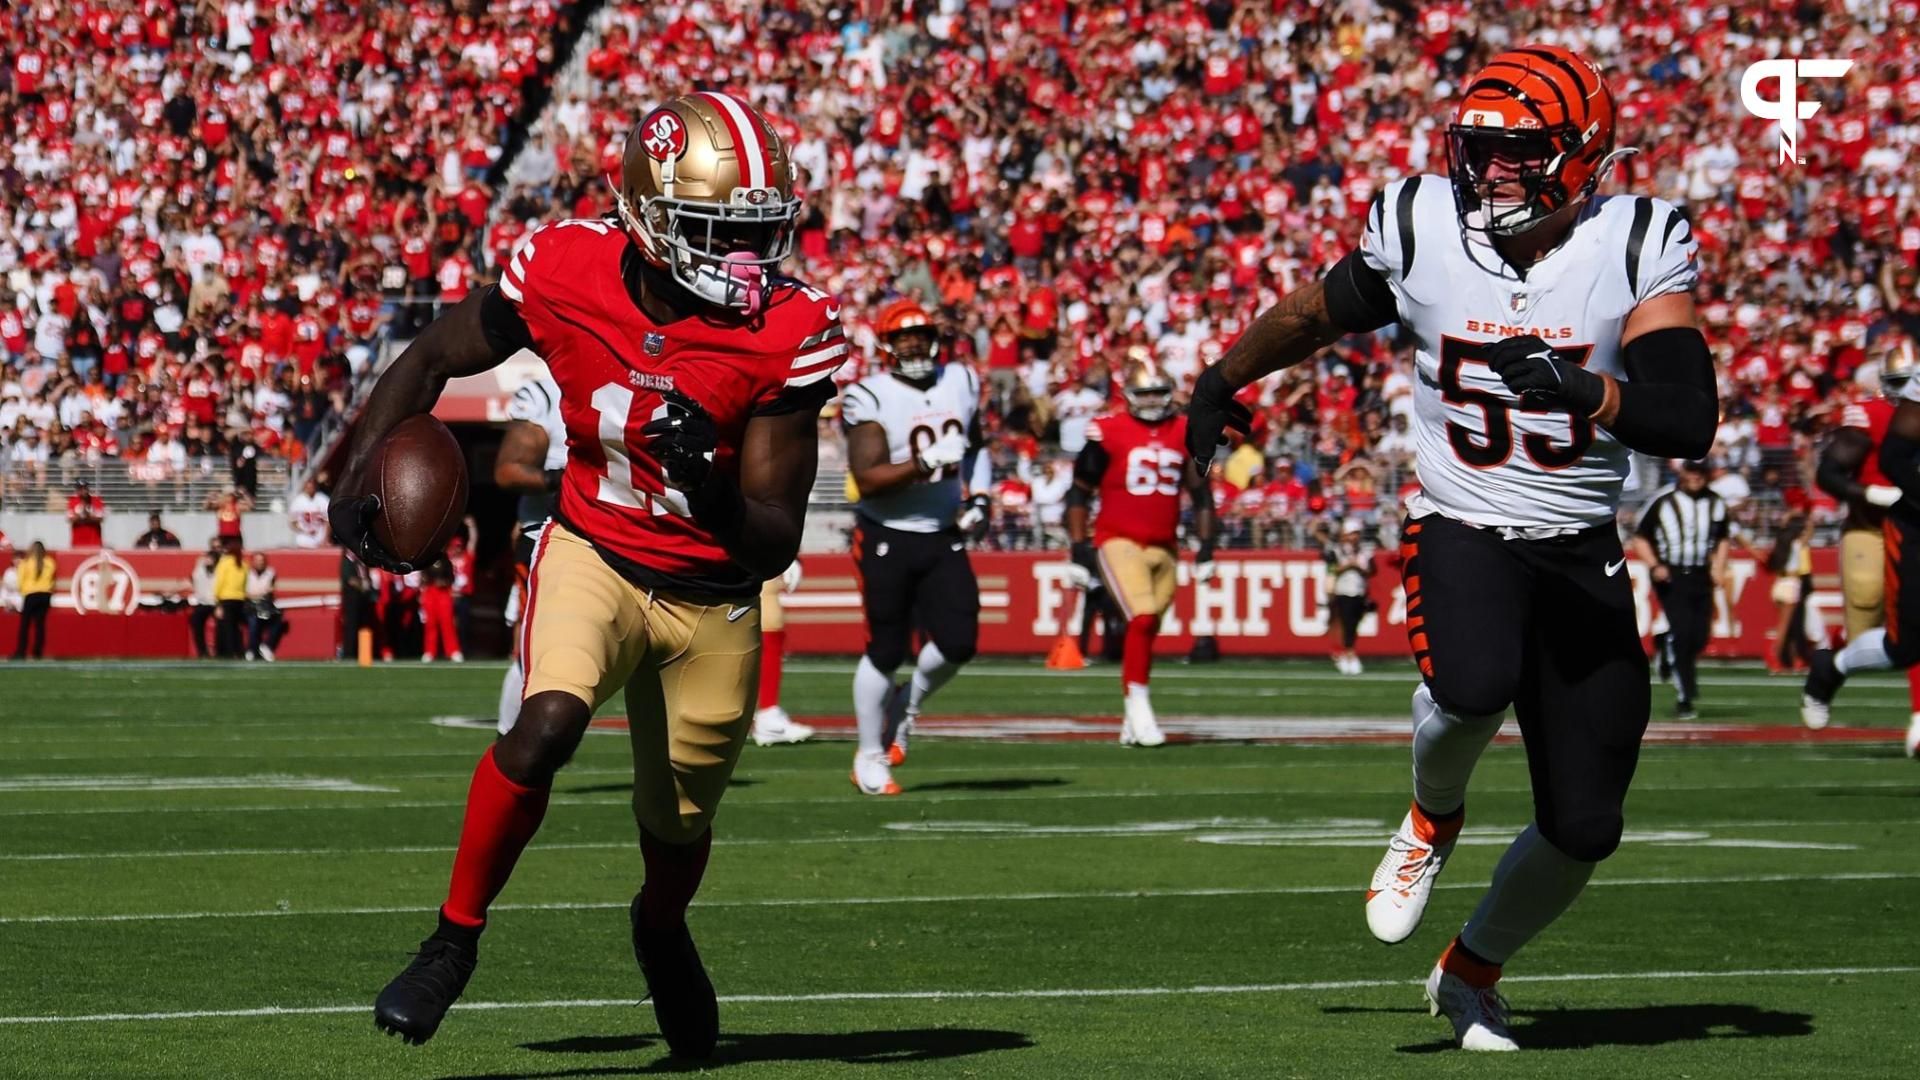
(1533, 135)
(911, 340)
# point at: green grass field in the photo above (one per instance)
(209, 871)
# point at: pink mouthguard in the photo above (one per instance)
(742, 271)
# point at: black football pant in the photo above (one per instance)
(33, 624)
(909, 581)
(1687, 598)
(1543, 626)
(1902, 592)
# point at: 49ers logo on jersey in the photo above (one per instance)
(664, 135)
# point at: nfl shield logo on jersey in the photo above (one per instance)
(654, 342)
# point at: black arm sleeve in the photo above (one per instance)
(1838, 471)
(506, 331)
(1091, 465)
(1359, 300)
(1669, 402)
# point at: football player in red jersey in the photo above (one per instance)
(690, 377)
(1849, 470)
(1136, 463)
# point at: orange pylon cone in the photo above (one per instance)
(1065, 655)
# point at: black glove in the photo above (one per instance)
(1084, 555)
(975, 515)
(351, 517)
(1533, 370)
(683, 441)
(1210, 413)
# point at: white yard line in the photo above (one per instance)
(964, 898)
(979, 995)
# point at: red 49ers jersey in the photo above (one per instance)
(612, 362)
(1146, 470)
(1871, 416)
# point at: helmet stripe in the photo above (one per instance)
(1533, 76)
(1572, 73)
(1489, 84)
(756, 165)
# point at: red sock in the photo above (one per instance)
(1913, 688)
(1137, 659)
(673, 876)
(501, 817)
(773, 647)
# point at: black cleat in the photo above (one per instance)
(683, 999)
(417, 999)
(1823, 682)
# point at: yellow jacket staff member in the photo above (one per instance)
(36, 572)
(230, 605)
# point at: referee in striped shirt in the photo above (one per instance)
(1683, 537)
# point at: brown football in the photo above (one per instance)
(420, 474)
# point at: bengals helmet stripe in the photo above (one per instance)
(1542, 106)
(747, 140)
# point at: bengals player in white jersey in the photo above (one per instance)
(913, 447)
(691, 375)
(1554, 331)
(530, 463)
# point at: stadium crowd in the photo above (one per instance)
(209, 211)
(1076, 187)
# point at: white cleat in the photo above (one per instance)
(872, 775)
(1478, 1013)
(266, 652)
(1138, 726)
(773, 727)
(426, 658)
(459, 657)
(1354, 667)
(1402, 883)
(1913, 736)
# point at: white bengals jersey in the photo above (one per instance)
(913, 420)
(538, 402)
(1482, 457)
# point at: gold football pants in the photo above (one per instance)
(690, 671)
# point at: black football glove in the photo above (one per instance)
(1210, 413)
(683, 441)
(1532, 369)
(351, 517)
(1084, 556)
(975, 515)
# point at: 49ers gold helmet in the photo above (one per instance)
(706, 191)
(1148, 391)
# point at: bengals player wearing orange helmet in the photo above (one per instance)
(914, 449)
(690, 376)
(1554, 333)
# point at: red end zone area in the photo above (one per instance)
(1308, 730)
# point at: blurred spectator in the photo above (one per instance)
(441, 631)
(35, 570)
(358, 610)
(156, 538)
(265, 623)
(1349, 569)
(308, 513)
(228, 508)
(85, 512)
(460, 554)
(244, 458)
(1792, 565)
(204, 604)
(230, 604)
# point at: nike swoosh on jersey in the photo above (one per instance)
(1614, 568)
